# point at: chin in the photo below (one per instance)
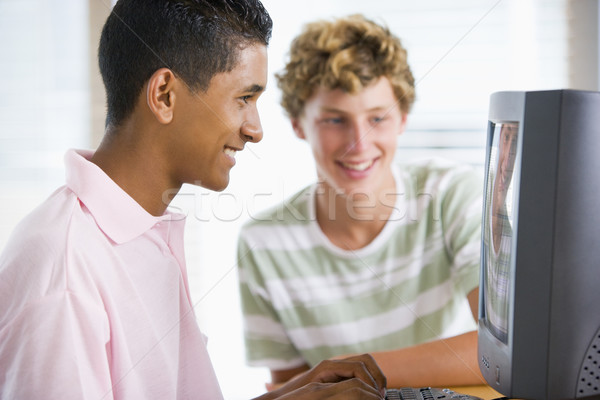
(217, 186)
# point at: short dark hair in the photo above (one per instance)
(195, 39)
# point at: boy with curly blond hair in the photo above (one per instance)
(375, 256)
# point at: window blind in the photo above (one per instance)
(43, 99)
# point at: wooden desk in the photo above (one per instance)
(483, 391)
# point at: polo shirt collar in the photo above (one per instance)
(117, 214)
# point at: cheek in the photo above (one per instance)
(392, 140)
(327, 146)
(387, 140)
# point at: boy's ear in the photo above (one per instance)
(403, 123)
(160, 95)
(297, 126)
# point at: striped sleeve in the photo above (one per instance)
(461, 222)
(266, 340)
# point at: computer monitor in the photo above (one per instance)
(539, 305)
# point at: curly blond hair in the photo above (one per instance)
(347, 53)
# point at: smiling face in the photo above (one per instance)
(211, 126)
(353, 136)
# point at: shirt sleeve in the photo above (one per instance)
(56, 349)
(266, 341)
(461, 211)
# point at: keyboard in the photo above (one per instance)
(426, 393)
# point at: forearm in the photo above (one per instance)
(440, 363)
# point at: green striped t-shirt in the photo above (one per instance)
(305, 300)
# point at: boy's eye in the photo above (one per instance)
(246, 98)
(333, 120)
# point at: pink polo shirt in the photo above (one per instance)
(94, 300)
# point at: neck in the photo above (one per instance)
(353, 221)
(135, 166)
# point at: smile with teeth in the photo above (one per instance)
(362, 166)
(230, 152)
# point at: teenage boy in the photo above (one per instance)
(93, 284)
(374, 257)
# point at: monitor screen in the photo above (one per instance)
(497, 226)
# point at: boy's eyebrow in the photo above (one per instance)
(335, 110)
(255, 89)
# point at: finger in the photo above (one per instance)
(335, 371)
(349, 389)
(373, 368)
(356, 389)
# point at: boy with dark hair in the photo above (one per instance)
(93, 283)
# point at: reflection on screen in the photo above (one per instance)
(497, 227)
